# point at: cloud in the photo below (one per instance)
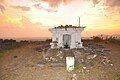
(113, 3)
(52, 5)
(23, 8)
(40, 7)
(96, 1)
(27, 23)
(2, 8)
(2, 1)
(55, 3)
(27, 29)
(111, 6)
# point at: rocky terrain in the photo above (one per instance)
(96, 61)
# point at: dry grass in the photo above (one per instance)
(24, 66)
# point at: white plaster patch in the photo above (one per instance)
(70, 61)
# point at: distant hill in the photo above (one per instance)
(29, 39)
(116, 36)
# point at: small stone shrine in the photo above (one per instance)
(66, 36)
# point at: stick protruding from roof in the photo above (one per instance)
(79, 22)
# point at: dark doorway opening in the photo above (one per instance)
(66, 40)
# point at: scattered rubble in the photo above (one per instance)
(83, 56)
(91, 63)
(57, 64)
(41, 63)
(106, 61)
(38, 50)
(91, 56)
(14, 56)
(74, 77)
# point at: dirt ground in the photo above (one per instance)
(21, 64)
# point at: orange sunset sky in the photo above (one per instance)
(33, 18)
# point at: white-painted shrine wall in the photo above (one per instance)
(75, 33)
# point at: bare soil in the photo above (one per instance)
(21, 64)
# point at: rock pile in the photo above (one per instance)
(84, 56)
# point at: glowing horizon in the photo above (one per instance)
(33, 18)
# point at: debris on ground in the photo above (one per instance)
(14, 56)
(92, 62)
(74, 77)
